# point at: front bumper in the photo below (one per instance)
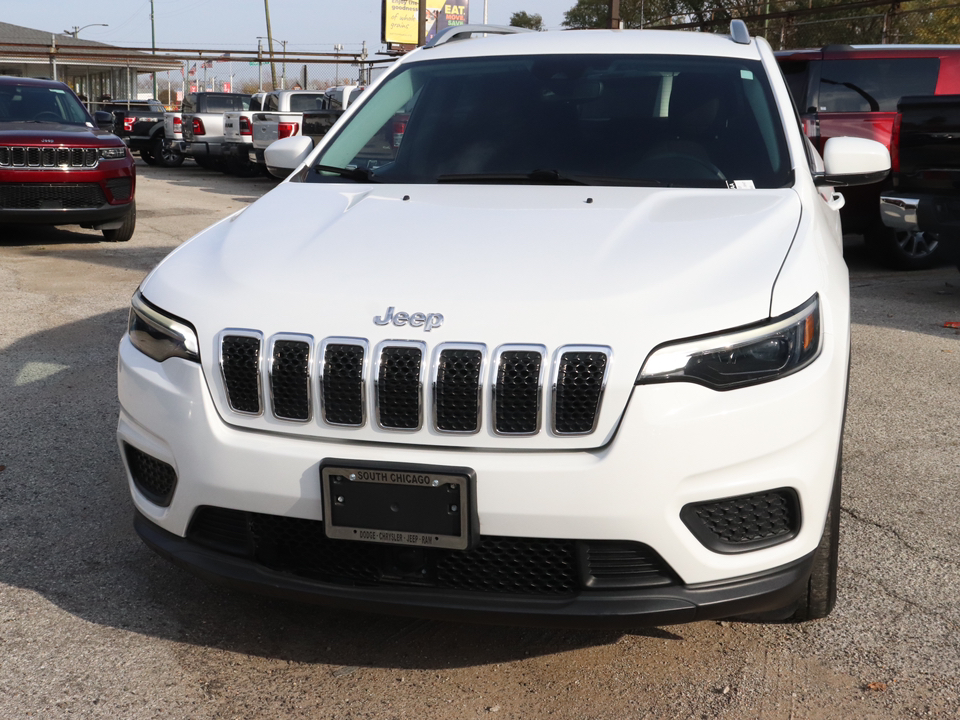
(913, 212)
(761, 592)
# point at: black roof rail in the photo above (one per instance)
(739, 32)
(462, 32)
(835, 48)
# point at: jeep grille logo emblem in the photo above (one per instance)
(427, 321)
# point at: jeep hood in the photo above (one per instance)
(628, 268)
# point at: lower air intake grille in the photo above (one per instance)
(398, 387)
(120, 188)
(155, 479)
(290, 379)
(498, 565)
(518, 392)
(458, 390)
(52, 196)
(746, 522)
(579, 386)
(240, 363)
(342, 384)
(623, 564)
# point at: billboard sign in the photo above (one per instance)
(400, 19)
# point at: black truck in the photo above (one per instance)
(139, 123)
(926, 170)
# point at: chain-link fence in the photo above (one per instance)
(246, 76)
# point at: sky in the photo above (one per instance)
(306, 25)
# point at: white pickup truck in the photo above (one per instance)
(283, 111)
(238, 138)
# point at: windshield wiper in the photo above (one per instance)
(537, 177)
(356, 174)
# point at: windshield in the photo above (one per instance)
(577, 119)
(25, 103)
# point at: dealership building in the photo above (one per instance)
(93, 69)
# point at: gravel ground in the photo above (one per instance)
(94, 625)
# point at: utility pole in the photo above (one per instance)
(153, 46)
(283, 82)
(273, 67)
(614, 14)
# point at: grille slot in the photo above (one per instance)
(745, 522)
(399, 386)
(457, 391)
(578, 389)
(290, 379)
(53, 196)
(221, 529)
(155, 479)
(622, 564)
(517, 393)
(240, 365)
(120, 188)
(342, 382)
(48, 157)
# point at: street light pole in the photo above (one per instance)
(76, 29)
(153, 48)
(273, 66)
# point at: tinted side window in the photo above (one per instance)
(797, 75)
(256, 103)
(871, 85)
(189, 104)
(304, 103)
(270, 104)
(225, 103)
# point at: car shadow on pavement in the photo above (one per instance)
(66, 533)
(27, 235)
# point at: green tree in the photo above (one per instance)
(525, 20)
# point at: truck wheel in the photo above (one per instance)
(821, 594)
(125, 231)
(903, 250)
(166, 157)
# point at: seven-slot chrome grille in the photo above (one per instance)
(411, 387)
(48, 157)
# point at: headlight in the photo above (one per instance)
(160, 336)
(737, 358)
(113, 153)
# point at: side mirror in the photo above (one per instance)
(853, 161)
(283, 156)
(103, 119)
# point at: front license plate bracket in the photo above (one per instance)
(399, 504)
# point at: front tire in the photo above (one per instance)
(125, 231)
(821, 594)
(905, 250)
(148, 157)
(167, 157)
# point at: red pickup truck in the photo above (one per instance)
(57, 167)
(853, 91)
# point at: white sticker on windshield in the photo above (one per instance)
(62, 92)
(746, 74)
(741, 185)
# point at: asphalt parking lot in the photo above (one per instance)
(93, 624)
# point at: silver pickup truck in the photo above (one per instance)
(283, 111)
(202, 118)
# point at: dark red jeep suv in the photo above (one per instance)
(57, 167)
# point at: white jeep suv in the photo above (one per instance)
(550, 327)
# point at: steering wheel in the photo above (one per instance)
(47, 116)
